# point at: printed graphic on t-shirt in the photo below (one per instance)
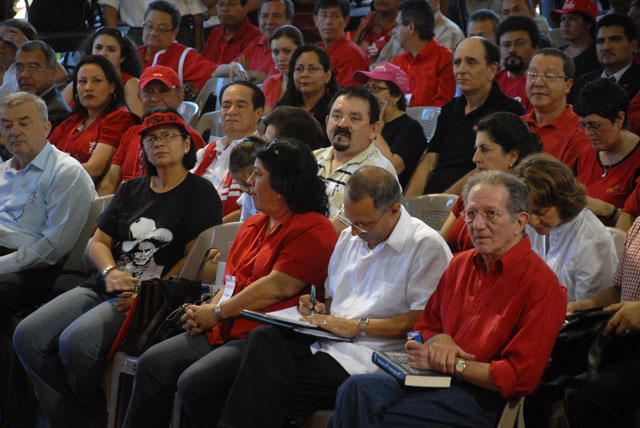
(137, 254)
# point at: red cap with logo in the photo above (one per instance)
(164, 74)
(385, 71)
(587, 7)
(157, 119)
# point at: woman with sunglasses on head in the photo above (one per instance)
(610, 167)
(400, 138)
(273, 259)
(502, 140)
(99, 117)
(110, 43)
(147, 231)
(311, 82)
(284, 41)
(573, 242)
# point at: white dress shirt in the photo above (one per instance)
(219, 168)
(397, 276)
(43, 208)
(581, 253)
(132, 11)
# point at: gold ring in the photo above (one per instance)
(325, 322)
(411, 358)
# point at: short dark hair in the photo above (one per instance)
(486, 15)
(297, 123)
(23, 25)
(421, 14)
(110, 73)
(604, 98)
(293, 173)
(363, 94)
(132, 63)
(288, 31)
(38, 45)
(567, 62)
(376, 182)
(288, 7)
(325, 4)
(166, 7)
(551, 184)
(395, 91)
(491, 51)
(520, 23)
(257, 99)
(244, 153)
(618, 19)
(292, 95)
(189, 159)
(510, 132)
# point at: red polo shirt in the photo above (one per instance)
(430, 74)
(514, 88)
(259, 56)
(271, 89)
(130, 156)
(189, 64)
(346, 58)
(561, 138)
(222, 51)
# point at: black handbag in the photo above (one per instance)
(147, 322)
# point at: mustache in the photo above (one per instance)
(513, 55)
(343, 131)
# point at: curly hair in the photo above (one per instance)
(111, 74)
(551, 184)
(293, 172)
(604, 98)
(132, 63)
(510, 132)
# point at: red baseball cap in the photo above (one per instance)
(159, 72)
(385, 71)
(157, 119)
(587, 7)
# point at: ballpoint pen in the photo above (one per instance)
(313, 298)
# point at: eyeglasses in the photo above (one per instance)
(311, 69)
(370, 224)
(490, 216)
(147, 92)
(546, 77)
(229, 5)
(165, 137)
(589, 126)
(517, 43)
(373, 88)
(31, 68)
(160, 29)
(273, 148)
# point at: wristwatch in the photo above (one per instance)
(461, 364)
(218, 310)
(108, 269)
(364, 322)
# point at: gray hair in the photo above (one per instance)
(18, 98)
(376, 182)
(518, 200)
(38, 45)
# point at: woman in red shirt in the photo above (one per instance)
(92, 133)
(283, 42)
(110, 43)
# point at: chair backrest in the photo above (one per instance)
(220, 237)
(75, 258)
(189, 112)
(210, 125)
(207, 99)
(619, 237)
(432, 209)
(428, 118)
(556, 37)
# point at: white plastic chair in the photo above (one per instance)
(189, 112)
(433, 209)
(210, 122)
(619, 237)
(428, 118)
(211, 88)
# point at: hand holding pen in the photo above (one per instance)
(306, 307)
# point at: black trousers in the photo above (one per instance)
(280, 380)
(22, 290)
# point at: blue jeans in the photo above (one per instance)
(379, 400)
(63, 346)
(201, 373)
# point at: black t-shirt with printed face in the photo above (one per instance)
(151, 229)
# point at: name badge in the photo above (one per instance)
(229, 287)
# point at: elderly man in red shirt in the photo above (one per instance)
(426, 62)
(491, 323)
(331, 18)
(549, 79)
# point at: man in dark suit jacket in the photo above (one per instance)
(616, 42)
(35, 71)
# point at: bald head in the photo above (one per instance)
(377, 183)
